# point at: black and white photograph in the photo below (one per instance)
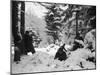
(52, 37)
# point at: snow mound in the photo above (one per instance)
(29, 53)
(79, 58)
(68, 47)
(90, 38)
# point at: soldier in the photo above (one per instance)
(28, 42)
(61, 54)
(78, 42)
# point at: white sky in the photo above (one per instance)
(35, 8)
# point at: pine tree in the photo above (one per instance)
(53, 21)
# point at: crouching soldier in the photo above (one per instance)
(61, 54)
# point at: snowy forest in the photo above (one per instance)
(49, 37)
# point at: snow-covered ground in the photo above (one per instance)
(43, 61)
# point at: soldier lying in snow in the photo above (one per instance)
(78, 43)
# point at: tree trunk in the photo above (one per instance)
(18, 24)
